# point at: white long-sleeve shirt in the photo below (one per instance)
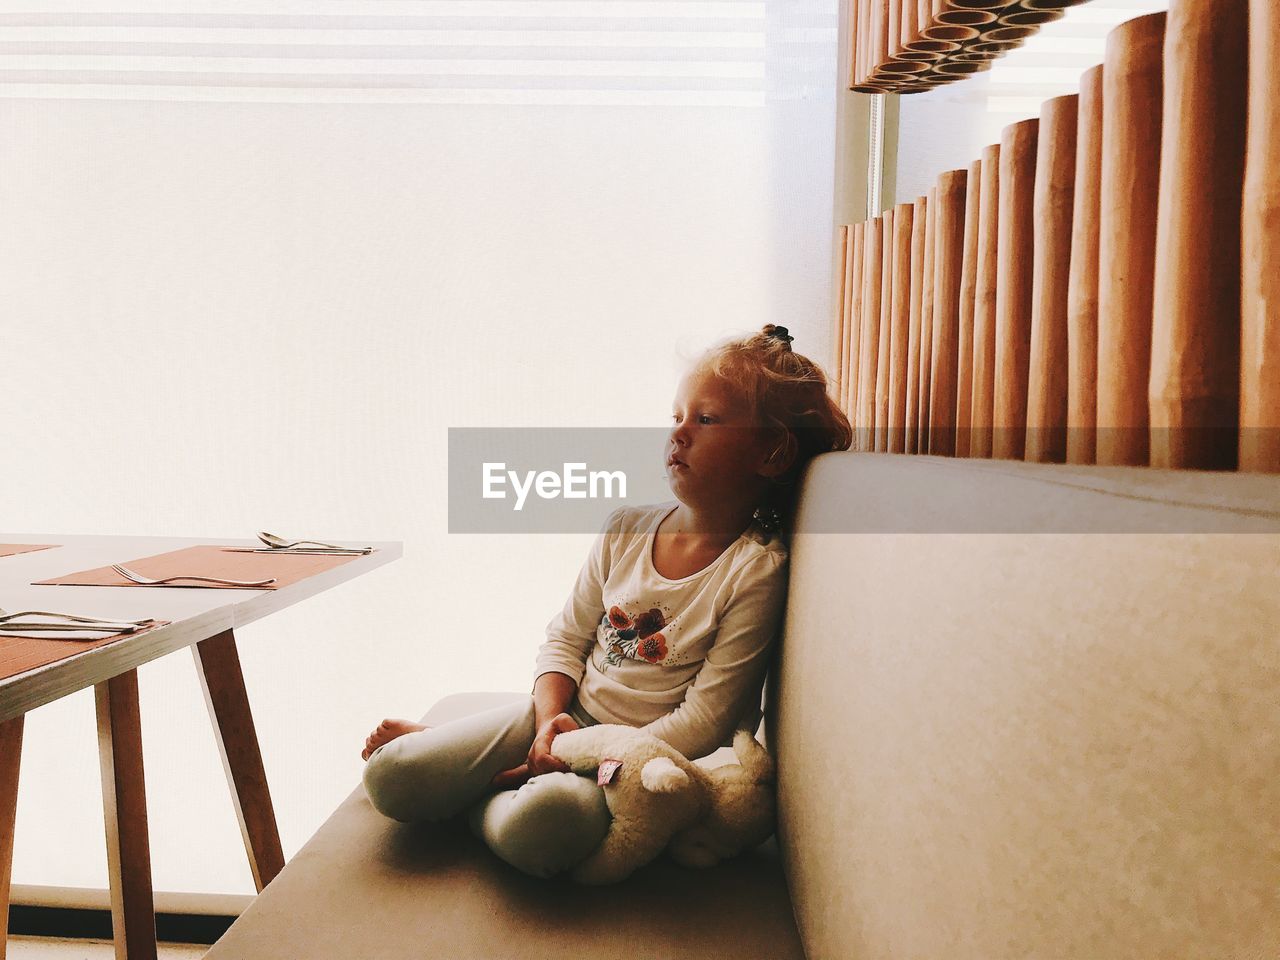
(684, 659)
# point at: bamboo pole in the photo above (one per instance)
(921, 56)
(934, 46)
(886, 329)
(1131, 92)
(864, 31)
(968, 292)
(910, 25)
(860, 40)
(907, 85)
(878, 29)
(1051, 273)
(855, 40)
(848, 318)
(894, 26)
(946, 31)
(864, 22)
(855, 320)
(1029, 18)
(948, 264)
(1260, 267)
(966, 18)
(842, 319)
(855, 316)
(996, 47)
(982, 414)
(882, 34)
(903, 224)
(869, 334)
(897, 70)
(962, 68)
(1013, 287)
(1194, 390)
(1007, 32)
(911, 417)
(926, 321)
(1082, 288)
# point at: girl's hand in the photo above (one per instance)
(510, 779)
(540, 758)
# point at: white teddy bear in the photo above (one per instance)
(657, 797)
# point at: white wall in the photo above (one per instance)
(265, 315)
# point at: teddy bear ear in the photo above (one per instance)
(756, 763)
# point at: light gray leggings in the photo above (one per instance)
(547, 825)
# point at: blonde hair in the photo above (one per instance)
(787, 391)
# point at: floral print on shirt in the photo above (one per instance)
(637, 637)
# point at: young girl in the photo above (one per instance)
(670, 625)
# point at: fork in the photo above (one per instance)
(138, 578)
(11, 622)
(7, 616)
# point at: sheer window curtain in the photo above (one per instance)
(260, 256)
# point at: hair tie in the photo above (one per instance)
(781, 334)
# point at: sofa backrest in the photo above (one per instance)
(1031, 745)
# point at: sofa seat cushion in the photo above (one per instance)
(368, 888)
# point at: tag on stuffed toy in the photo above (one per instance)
(607, 771)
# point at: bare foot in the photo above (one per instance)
(387, 731)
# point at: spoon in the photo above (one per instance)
(280, 543)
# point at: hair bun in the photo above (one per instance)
(779, 333)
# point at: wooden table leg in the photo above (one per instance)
(124, 804)
(10, 756)
(218, 665)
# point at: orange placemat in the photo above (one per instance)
(211, 560)
(10, 549)
(18, 654)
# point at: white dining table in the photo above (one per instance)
(202, 619)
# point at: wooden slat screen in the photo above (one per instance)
(1103, 285)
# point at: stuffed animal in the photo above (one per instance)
(658, 797)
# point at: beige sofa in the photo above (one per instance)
(1020, 711)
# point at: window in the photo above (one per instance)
(622, 52)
